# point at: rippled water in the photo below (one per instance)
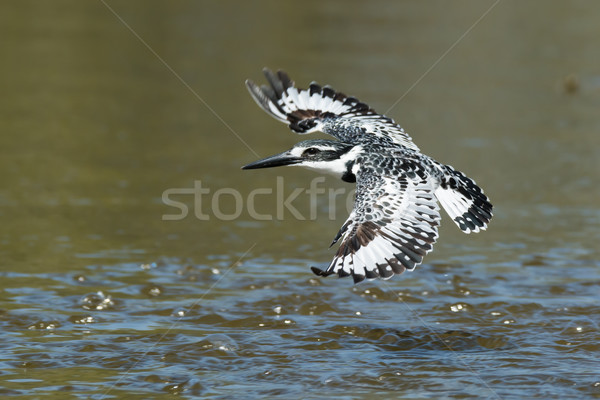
(455, 329)
(102, 298)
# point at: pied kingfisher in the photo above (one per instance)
(395, 218)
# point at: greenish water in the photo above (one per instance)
(101, 297)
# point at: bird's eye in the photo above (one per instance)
(311, 151)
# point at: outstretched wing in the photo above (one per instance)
(393, 225)
(323, 109)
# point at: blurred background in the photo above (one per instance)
(107, 104)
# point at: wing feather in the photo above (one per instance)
(324, 109)
(394, 224)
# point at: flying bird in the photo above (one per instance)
(395, 219)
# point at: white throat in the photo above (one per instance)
(337, 167)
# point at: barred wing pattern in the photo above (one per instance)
(464, 201)
(324, 109)
(394, 224)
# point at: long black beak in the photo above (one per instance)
(278, 160)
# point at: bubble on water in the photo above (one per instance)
(44, 325)
(277, 310)
(97, 301)
(333, 380)
(219, 341)
(179, 313)
(581, 325)
(175, 388)
(82, 319)
(458, 307)
(152, 290)
(388, 375)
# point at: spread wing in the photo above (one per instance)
(393, 225)
(323, 109)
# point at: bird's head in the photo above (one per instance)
(327, 156)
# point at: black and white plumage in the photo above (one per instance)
(325, 110)
(395, 219)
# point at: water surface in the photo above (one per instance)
(102, 298)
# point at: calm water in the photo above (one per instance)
(102, 298)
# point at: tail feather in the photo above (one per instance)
(464, 201)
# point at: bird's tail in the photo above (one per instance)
(464, 201)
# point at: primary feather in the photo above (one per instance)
(326, 110)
